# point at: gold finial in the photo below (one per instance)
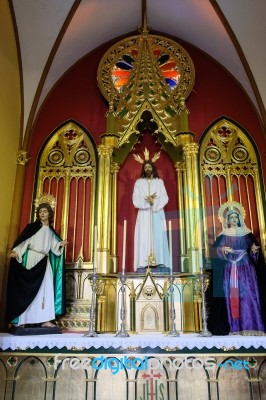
(144, 29)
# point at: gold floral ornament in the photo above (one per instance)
(230, 206)
(146, 156)
(45, 198)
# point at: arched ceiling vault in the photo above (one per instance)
(54, 35)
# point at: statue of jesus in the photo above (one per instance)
(150, 197)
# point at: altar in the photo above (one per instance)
(162, 354)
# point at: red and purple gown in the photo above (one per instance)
(239, 287)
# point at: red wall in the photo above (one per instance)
(77, 97)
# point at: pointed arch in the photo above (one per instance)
(149, 319)
(230, 171)
(66, 169)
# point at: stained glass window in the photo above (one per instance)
(123, 68)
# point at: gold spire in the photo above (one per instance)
(135, 76)
(144, 29)
(146, 88)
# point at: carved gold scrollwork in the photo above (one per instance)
(23, 157)
(104, 151)
(133, 43)
(180, 166)
(115, 168)
(100, 287)
(191, 149)
(146, 87)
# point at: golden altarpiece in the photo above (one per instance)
(223, 166)
(84, 179)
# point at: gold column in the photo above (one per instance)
(114, 171)
(228, 182)
(64, 223)
(261, 219)
(101, 314)
(194, 221)
(39, 184)
(92, 213)
(103, 208)
(180, 169)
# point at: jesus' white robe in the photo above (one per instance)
(150, 228)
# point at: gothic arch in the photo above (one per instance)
(230, 171)
(67, 169)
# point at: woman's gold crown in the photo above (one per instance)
(230, 206)
(45, 198)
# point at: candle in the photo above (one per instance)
(95, 250)
(124, 246)
(170, 244)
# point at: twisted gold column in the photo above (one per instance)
(193, 206)
(103, 202)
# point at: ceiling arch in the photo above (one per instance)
(52, 36)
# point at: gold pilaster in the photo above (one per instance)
(186, 213)
(39, 184)
(258, 194)
(103, 208)
(114, 172)
(64, 224)
(180, 172)
(101, 313)
(92, 214)
(132, 304)
(228, 182)
(194, 220)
